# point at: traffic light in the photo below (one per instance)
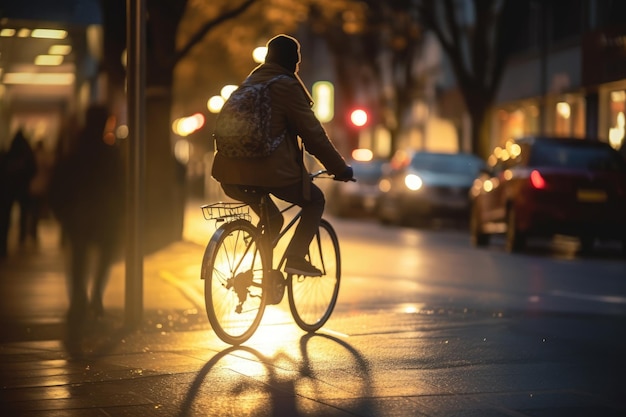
(358, 117)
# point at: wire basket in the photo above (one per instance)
(226, 212)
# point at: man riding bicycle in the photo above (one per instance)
(283, 173)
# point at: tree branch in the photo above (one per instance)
(197, 37)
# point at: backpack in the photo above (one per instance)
(242, 128)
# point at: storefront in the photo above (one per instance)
(583, 95)
(604, 69)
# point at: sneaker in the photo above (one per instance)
(300, 266)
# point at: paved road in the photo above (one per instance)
(442, 359)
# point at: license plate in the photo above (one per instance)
(591, 196)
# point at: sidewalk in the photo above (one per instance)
(34, 293)
(168, 366)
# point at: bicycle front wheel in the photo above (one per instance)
(312, 299)
(232, 269)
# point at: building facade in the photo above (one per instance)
(567, 74)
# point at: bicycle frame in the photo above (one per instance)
(265, 221)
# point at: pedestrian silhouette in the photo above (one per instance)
(17, 169)
(87, 197)
(5, 203)
(38, 189)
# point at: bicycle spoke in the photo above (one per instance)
(312, 299)
(233, 290)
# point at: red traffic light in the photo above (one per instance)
(358, 117)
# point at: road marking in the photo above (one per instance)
(611, 299)
(186, 289)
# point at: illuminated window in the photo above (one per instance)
(617, 108)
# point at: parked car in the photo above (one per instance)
(422, 186)
(356, 198)
(545, 186)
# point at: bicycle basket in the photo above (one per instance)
(226, 212)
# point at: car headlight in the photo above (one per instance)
(413, 182)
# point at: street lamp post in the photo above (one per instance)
(136, 126)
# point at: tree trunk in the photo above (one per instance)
(477, 103)
(165, 176)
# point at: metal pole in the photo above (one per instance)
(135, 43)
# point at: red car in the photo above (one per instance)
(546, 186)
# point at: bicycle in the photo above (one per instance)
(240, 279)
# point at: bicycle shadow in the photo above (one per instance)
(240, 380)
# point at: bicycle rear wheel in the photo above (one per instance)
(232, 269)
(312, 299)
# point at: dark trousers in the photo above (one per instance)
(312, 210)
(5, 223)
(82, 270)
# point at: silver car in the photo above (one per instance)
(424, 186)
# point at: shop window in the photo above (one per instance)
(569, 117)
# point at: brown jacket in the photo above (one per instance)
(291, 108)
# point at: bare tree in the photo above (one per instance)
(477, 50)
(374, 44)
(164, 175)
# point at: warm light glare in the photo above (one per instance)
(49, 33)
(323, 97)
(409, 308)
(122, 131)
(476, 187)
(215, 104)
(48, 60)
(185, 126)
(23, 33)
(7, 33)
(362, 155)
(358, 117)
(563, 109)
(259, 54)
(413, 182)
(182, 151)
(227, 90)
(38, 79)
(618, 96)
(384, 185)
(616, 134)
(60, 50)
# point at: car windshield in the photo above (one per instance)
(368, 171)
(575, 156)
(446, 163)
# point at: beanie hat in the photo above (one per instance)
(284, 51)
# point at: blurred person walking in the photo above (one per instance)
(38, 189)
(17, 170)
(5, 204)
(87, 193)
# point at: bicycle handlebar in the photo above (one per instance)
(323, 171)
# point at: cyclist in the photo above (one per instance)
(283, 173)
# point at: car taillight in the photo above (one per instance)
(537, 180)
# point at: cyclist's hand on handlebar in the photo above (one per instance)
(346, 175)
